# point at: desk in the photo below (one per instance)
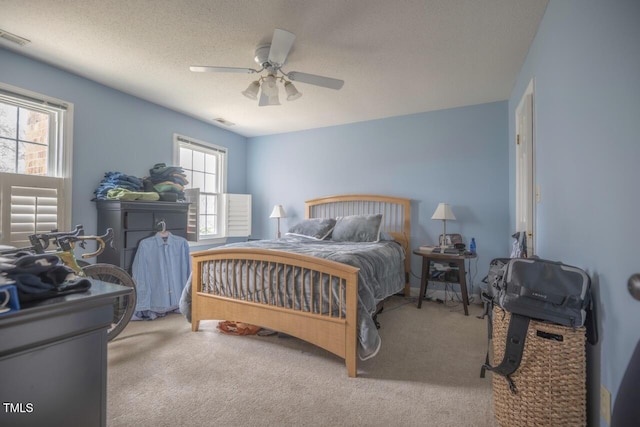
(428, 257)
(53, 359)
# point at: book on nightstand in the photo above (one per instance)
(429, 249)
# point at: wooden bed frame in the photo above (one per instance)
(334, 333)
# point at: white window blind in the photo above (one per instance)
(34, 206)
(237, 209)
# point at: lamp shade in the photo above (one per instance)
(292, 92)
(266, 100)
(278, 212)
(443, 211)
(269, 87)
(252, 91)
(273, 100)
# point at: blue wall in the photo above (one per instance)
(586, 63)
(459, 156)
(113, 131)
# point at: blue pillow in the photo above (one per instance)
(357, 228)
(315, 228)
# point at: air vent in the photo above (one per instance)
(13, 38)
(223, 121)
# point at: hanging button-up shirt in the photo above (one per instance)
(161, 269)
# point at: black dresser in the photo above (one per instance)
(136, 220)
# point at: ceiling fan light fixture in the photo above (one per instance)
(269, 86)
(292, 92)
(252, 91)
(265, 99)
(273, 100)
(270, 59)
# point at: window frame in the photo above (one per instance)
(59, 157)
(221, 153)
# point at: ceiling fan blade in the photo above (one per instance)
(312, 79)
(203, 69)
(280, 46)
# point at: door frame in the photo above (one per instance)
(525, 139)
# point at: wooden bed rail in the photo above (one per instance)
(311, 298)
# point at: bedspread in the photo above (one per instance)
(381, 275)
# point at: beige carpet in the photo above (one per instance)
(426, 374)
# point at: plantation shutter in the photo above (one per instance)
(237, 215)
(192, 195)
(234, 213)
(30, 204)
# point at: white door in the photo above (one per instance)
(526, 194)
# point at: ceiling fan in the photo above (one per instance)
(271, 58)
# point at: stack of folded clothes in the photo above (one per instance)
(117, 180)
(124, 194)
(167, 181)
(41, 276)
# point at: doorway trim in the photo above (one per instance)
(527, 192)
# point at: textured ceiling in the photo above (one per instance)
(396, 57)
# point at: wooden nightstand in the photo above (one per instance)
(428, 257)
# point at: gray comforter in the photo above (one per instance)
(381, 275)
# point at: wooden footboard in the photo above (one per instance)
(310, 298)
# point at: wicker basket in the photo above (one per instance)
(551, 379)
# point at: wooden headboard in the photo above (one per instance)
(396, 216)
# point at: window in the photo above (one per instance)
(213, 215)
(205, 165)
(35, 164)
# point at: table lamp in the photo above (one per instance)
(443, 212)
(278, 212)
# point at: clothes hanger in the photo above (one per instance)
(163, 229)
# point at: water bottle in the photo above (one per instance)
(472, 245)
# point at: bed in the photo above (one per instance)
(320, 291)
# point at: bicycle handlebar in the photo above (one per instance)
(101, 240)
(40, 241)
(64, 241)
